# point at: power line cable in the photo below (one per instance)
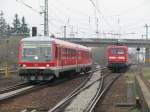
(67, 8)
(20, 1)
(100, 13)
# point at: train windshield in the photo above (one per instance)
(117, 51)
(36, 52)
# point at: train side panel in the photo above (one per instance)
(61, 57)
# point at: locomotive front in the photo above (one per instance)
(117, 57)
(35, 59)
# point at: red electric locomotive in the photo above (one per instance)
(117, 57)
(43, 58)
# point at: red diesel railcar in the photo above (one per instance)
(117, 57)
(43, 58)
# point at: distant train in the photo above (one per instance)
(117, 57)
(43, 58)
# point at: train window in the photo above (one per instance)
(70, 53)
(121, 52)
(85, 54)
(65, 52)
(117, 51)
(36, 52)
(29, 52)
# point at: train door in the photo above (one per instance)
(61, 57)
(77, 57)
(57, 56)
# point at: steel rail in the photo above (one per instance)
(14, 87)
(22, 91)
(97, 94)
(100, 95)
(81, 85)
(69, 98)
(74, 93)
(29, 86)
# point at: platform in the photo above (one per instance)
(144, 94)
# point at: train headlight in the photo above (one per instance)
(36, 57)
(24, 65)
(112, 57)
(47, 65)
(121, 58)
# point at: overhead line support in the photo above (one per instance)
(46, 26)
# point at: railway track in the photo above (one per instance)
(70, 104)
(14, 87)
(37, 109)
(101, 93)
(20, 89)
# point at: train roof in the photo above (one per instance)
(37, 38)
(57, 41)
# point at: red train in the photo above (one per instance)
(117, 57)
(43, 58)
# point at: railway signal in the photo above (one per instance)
(138, 49)
(34, 31)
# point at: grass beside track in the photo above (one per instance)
(146, 72)
(135, 110)
(130, 74)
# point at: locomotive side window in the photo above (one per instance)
(117, 51)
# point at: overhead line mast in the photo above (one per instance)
(146, 27)
(46, 25)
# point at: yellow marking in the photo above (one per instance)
(147, 60)
(6, 71)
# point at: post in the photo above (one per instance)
(65, 31)
(6, 70)
(147, 59)
(146, 28)
(97, 27)
(142, 50)
(46, 28)
(72, 35)
(147, 55)
(138, 53)
(6, 65)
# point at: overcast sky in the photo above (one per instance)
(126, 17)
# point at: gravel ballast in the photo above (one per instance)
(82, 100)
(116, 94)
(45, 98)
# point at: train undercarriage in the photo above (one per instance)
(118, 67)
